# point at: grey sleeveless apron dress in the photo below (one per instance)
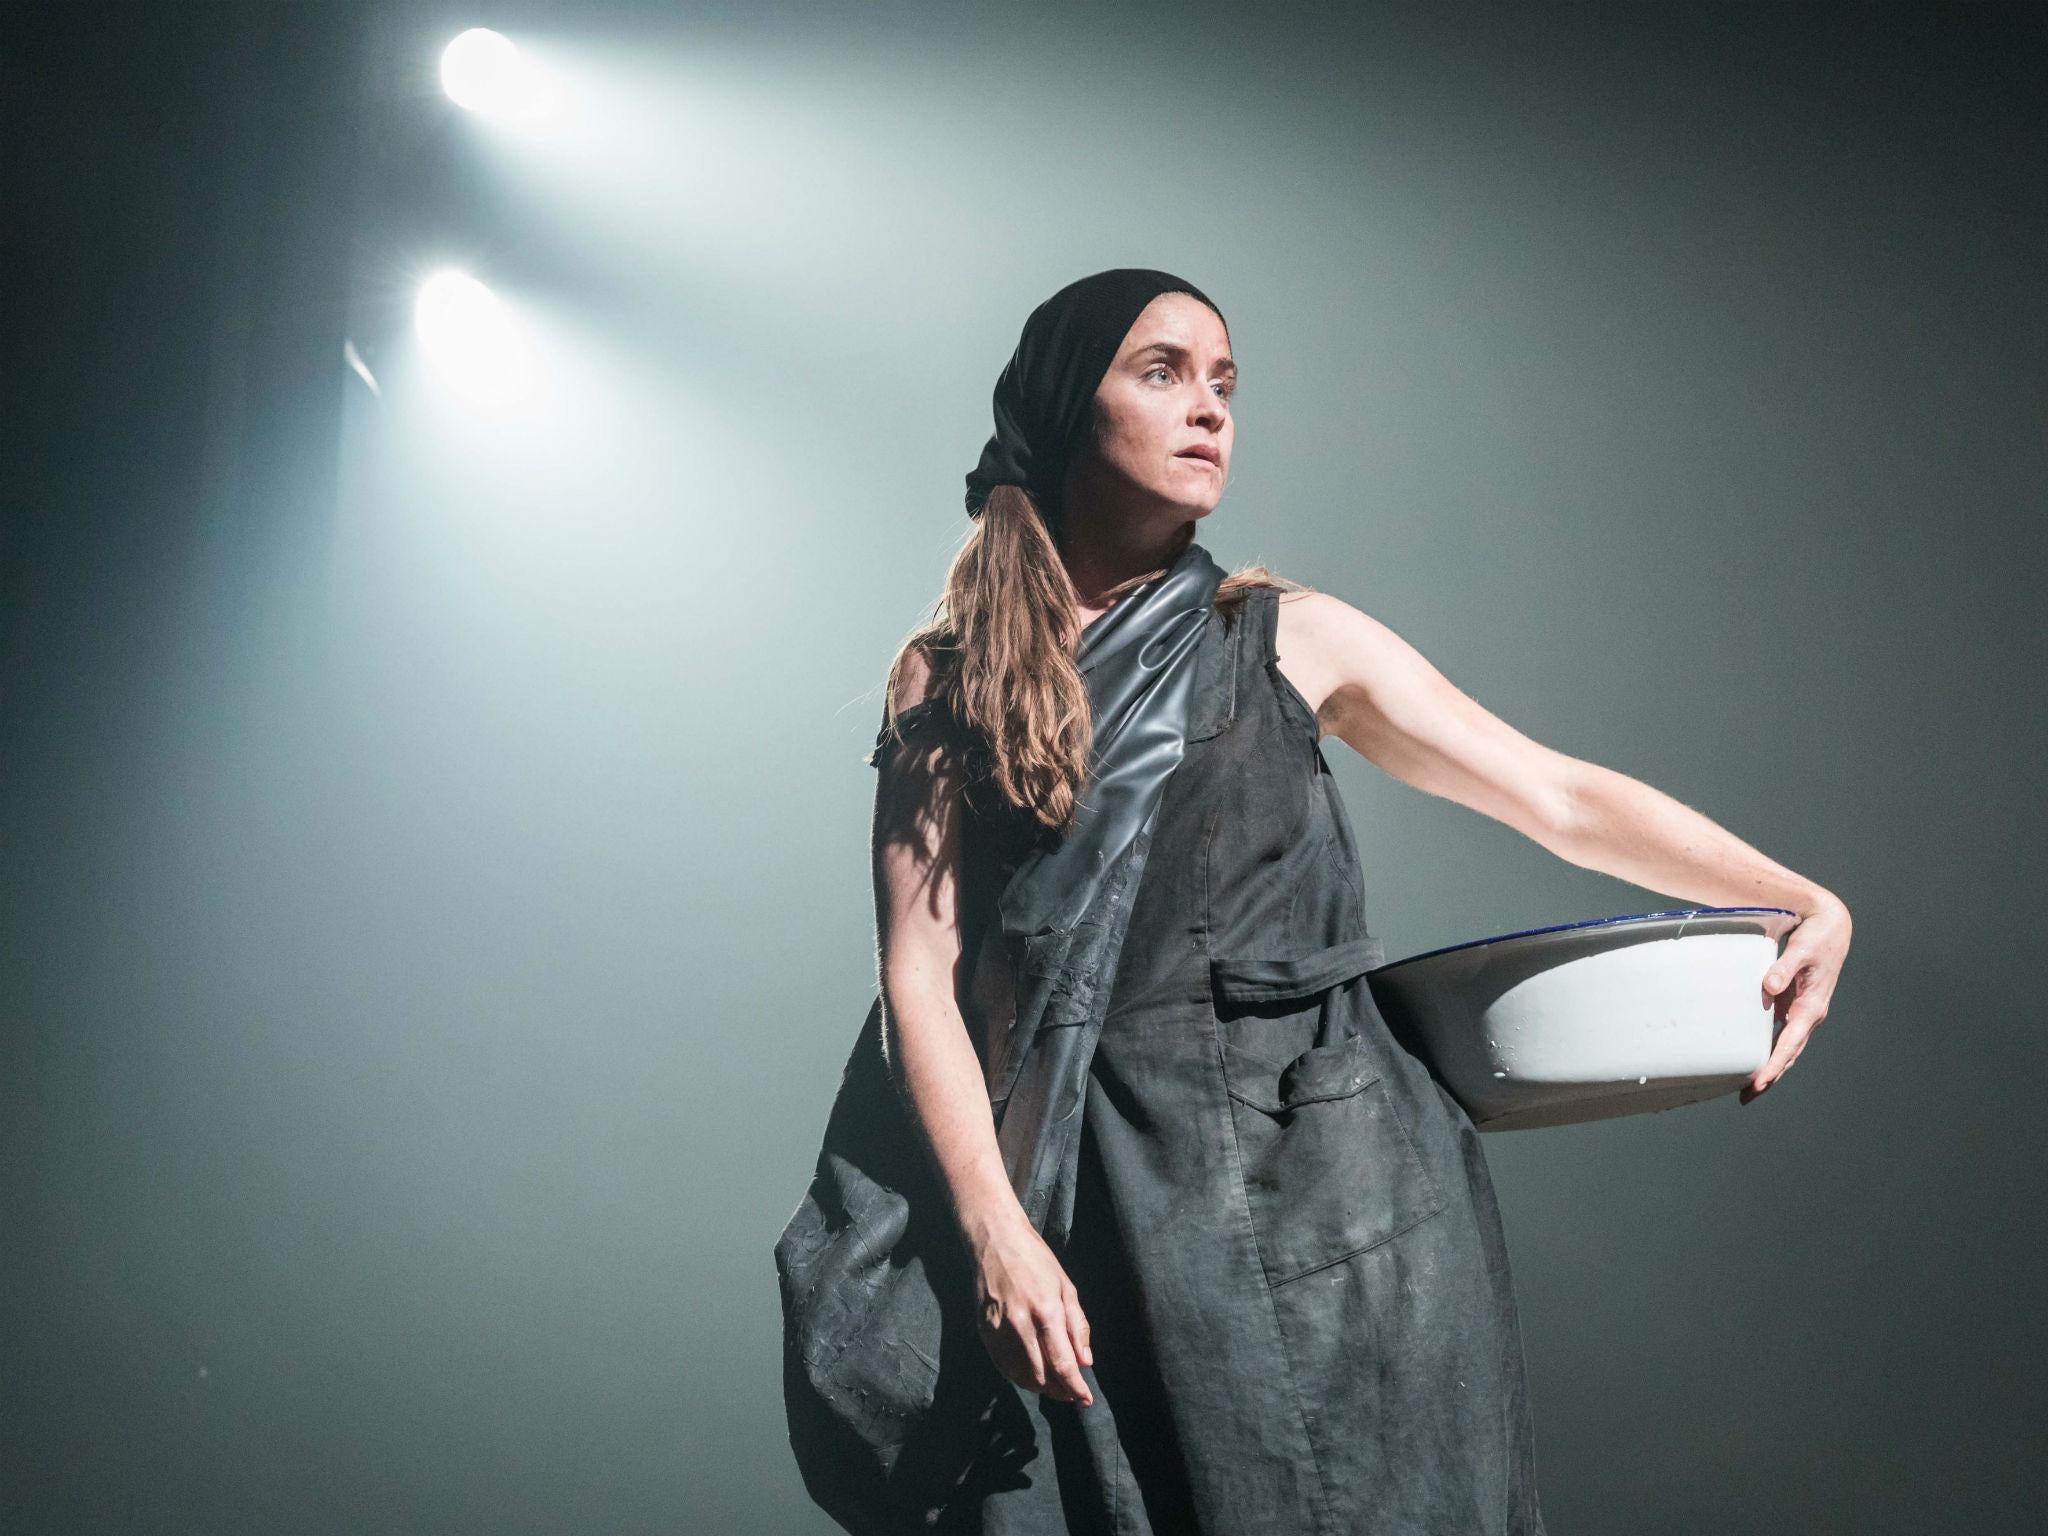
(1284, 1232)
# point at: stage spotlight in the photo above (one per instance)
(482, 71)
(470, 338)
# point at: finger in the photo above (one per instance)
(1766, 1074)
(1781, 1056)
(1804, 1013)
(1782, 970)
(1025, 1340)
(1064, 1374)
(1774, 1059)
(1811, 1006)
(1077, 1328)
(1795, 1013)
(1789, 1046)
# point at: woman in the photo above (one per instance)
(1274, 1292)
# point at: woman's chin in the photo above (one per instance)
(1176, 501)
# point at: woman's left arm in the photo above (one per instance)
(1383, 698)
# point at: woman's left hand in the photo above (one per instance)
(1798, 985)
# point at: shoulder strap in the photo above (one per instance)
(1215, 695)
(891, 736)
(1266, 625)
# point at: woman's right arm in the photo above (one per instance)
(1031, 1318)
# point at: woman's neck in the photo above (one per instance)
(1099, 563)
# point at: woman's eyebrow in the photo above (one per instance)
(1224, 364)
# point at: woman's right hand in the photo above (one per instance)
(1029, 1314)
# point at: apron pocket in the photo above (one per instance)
(1329, 1170)
(1264, 978)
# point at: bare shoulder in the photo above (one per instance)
(1319, 638)
(918, 680)
(915, 748)
(1377, 693)
(915, 677)
(916, 718)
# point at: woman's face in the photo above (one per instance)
(1163, 403)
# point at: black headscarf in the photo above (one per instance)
(1043, 394)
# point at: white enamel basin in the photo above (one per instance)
(1586, 1021)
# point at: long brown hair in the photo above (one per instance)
(1001, 652)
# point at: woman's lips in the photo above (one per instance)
(1196, 458)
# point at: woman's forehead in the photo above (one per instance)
(1179, 321)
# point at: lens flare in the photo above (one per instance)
(471, 338)
(484, 72)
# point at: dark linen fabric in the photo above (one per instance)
(1285, 1235)
(864, 1295)
(1283, 1231)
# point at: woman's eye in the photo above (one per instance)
(1227, 389)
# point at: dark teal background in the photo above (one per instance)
(434, 859)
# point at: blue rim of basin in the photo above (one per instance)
(1591, 922)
